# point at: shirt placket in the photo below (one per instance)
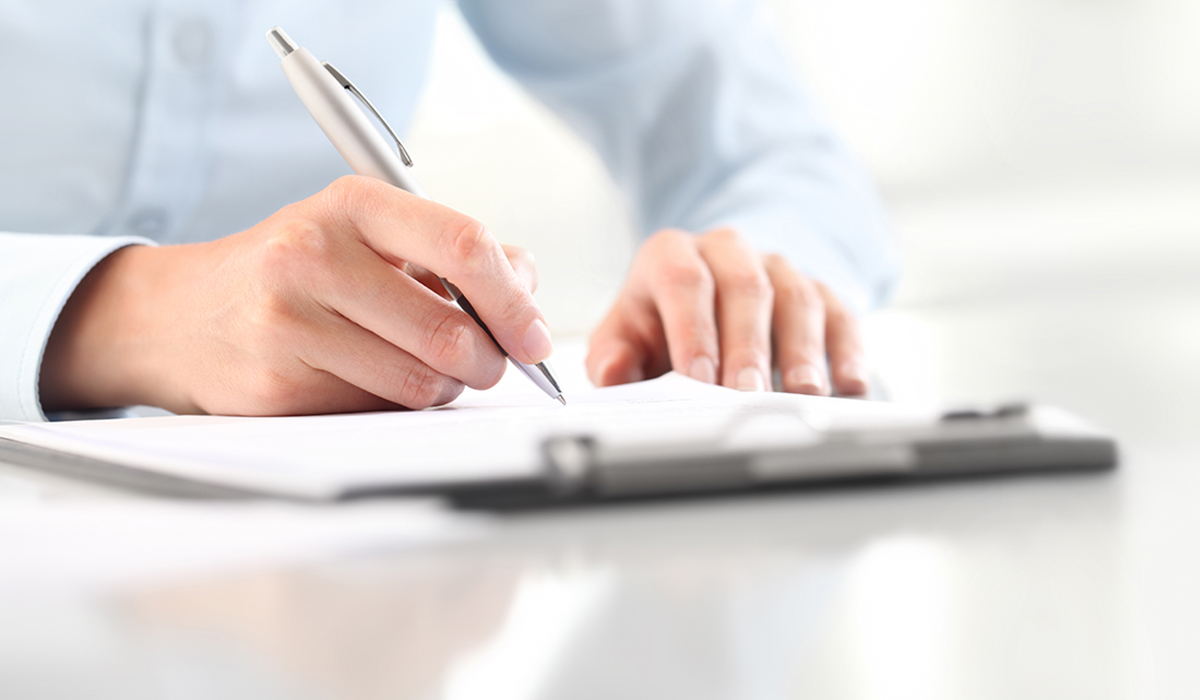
(168, 165)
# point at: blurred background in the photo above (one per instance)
(1025, 150)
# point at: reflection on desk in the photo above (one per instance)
(944, 592)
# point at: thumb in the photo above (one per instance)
(614, 360)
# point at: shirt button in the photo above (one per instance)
(148, 221)
(192, 41)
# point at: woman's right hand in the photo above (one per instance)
(310, 311)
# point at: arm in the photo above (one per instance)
(693, 109)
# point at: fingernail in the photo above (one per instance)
(703, 369)
(854, 376)
(751, 379)
(537, 344)
(807, 379)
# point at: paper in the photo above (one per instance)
(484, 436)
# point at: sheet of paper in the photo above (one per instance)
(482, 436)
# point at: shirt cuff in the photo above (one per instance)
(38, 273)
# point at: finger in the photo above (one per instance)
(615, 361)
(520, 259)
(402, 227)
(620, 349)
(427, 279)
(680, 285)
(843, 340)
(274, 395)
(353, 281)
(798, 320)
(523, 264)
(743, 307)
(406, 314)
(371, 364)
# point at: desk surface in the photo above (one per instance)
(1051, 587)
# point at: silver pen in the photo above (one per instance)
(326, 93)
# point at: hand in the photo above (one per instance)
(310, 311)
(712, 308)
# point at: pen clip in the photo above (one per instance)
(345, 82)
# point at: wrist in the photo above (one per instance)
(92, 356)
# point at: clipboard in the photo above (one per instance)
(1009, 439)
(666, 438)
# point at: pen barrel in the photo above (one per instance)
(345, 124)
(465, 305)
(539, 374)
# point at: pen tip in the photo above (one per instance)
(561, 399)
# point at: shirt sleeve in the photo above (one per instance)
(38, 273)
(693, 107)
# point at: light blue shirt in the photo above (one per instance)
(169, 121)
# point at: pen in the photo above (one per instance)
(323, 90)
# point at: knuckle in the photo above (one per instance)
(666, 235)
(421, 387)
(272, 391)
(524, 265)
(271, 322)
(467, 243)
(796, 291)
(833, 305)
(353, 190)
(775, 261)
(836, 312)
(349, 199)
(748, 283)
(520, 256)
(448, 338)
(724, 235)
(493, 372)
(686, 274)
(807, 351)
(750, 355)
(669, 239)
(294, 246)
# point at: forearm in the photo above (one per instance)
(695, 110)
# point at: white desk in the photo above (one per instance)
(1053, 587)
